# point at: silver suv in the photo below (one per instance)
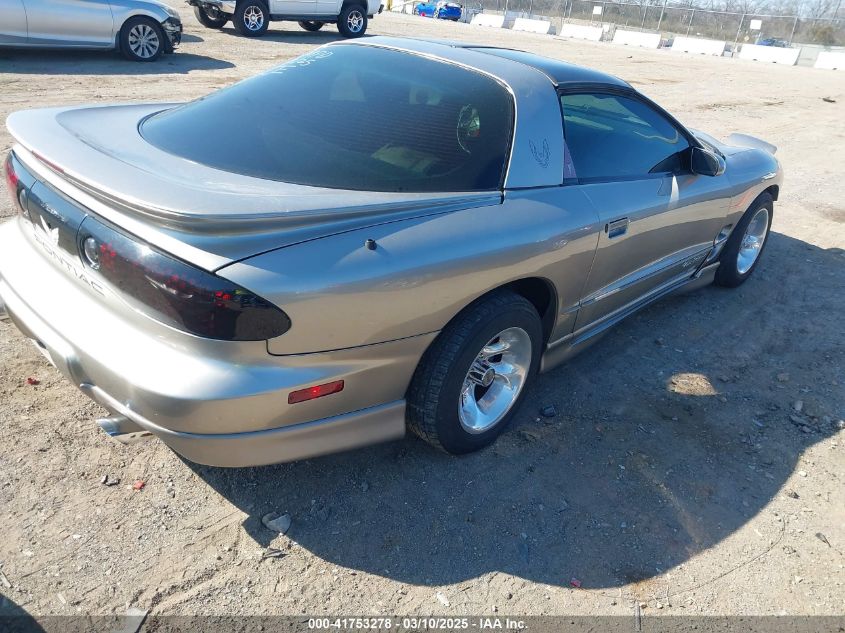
(140, 29)
(252, 17)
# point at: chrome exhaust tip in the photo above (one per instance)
(122, 429)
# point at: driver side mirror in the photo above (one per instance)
(706, 163)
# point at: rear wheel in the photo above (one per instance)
(352, 21)
(471, 380)
(742, 252)
(210, 17)
(142, 39)
(311, 25)
(251, 18)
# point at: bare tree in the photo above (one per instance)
(815, 9)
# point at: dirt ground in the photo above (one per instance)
(677, 473)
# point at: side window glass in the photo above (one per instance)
(611, 136)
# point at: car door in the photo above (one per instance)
(331, 7)
(659, 219)
(13, 22)
(296, 7)
(70, 23)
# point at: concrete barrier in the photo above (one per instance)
(636, 38)
(531, 26)
(699, 45)
(774, 54)
(581, 32)
(404, 7)
(830, 61)
(488, 19)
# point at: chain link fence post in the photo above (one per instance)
(660, 19)
(736, 39)
(794, 26)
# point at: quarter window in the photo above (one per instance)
(611, 136)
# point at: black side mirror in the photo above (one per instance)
(706, 163)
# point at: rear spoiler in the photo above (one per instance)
(746, 140)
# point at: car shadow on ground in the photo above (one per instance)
(15, 619)
(52, 62)
(295, 35)
(671, 433)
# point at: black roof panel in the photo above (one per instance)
(561, 73)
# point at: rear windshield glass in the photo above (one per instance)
(350, 117)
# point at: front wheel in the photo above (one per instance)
(352, 21)
(471, 380)
(210, 17)
(142, 39)
(251, 18)
(742, 252)
(311, 25)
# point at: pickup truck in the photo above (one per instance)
(252, 17)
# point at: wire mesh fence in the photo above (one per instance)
(671, 20)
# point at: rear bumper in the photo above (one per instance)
(286, 444)
(214, 402)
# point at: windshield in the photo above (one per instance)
(350, 117)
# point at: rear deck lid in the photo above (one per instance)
(96, 157)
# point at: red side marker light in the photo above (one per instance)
(317, 391)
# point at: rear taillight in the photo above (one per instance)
(177, 293)
(12, 183)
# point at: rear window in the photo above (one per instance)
(350, 117)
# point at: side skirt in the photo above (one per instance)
(572, 344)
(282, 17)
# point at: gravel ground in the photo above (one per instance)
(676, 473)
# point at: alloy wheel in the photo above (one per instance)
(494, 380)
(753, 240)
(143, 41)
(355, 21)
(254, 18)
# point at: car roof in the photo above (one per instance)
(561, 73)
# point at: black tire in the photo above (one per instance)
(729, 273)
(142, 39)
(435, 391)
(352, 21)
(245, 16)
(311, 25)
(210, 17)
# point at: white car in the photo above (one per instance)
(252, 17)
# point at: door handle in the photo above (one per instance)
(616, 228)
